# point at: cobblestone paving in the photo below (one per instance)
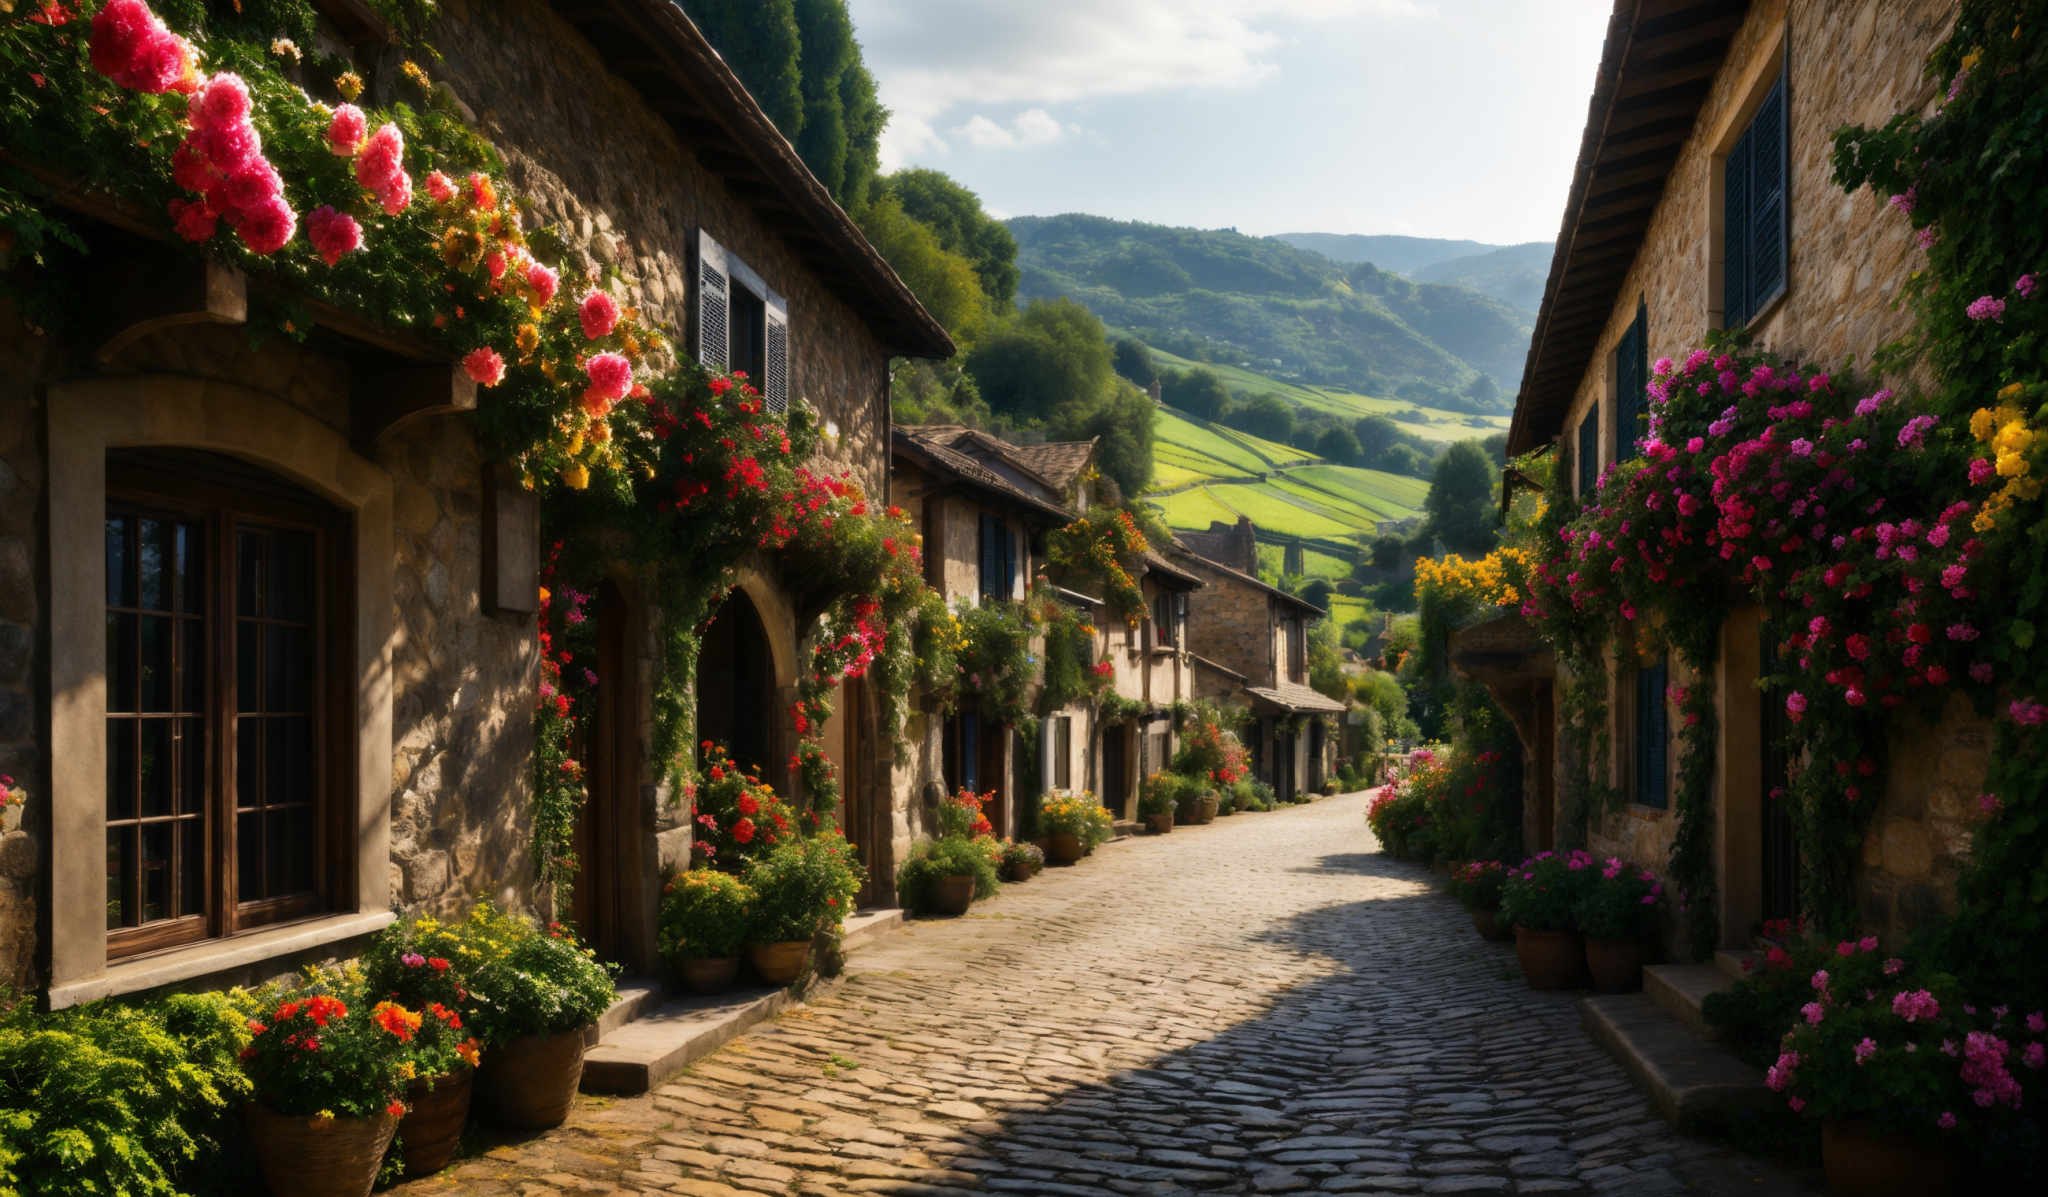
(1262, 1005)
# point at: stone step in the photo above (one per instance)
(1679, 989)
(1691, 1080)
(1734, 963)
(654, 1039)
(637, 995)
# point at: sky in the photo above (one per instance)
(1431, 118)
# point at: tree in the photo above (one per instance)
(956, 215)
(1483, 392)
(1268, 416)
(1052, 354)
(1337, 443)
(865, 117)
(1405, 459)
(1376, 435)
(943, 281)
(1325, 663)
(759, 40)
(826, 51)
(1459, 506)
(1198, 392)
(1122, 430)
(1386, 551)
(1496, 447)
(1133, 361)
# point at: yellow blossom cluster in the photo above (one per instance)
(2016, 452)
(1495, 580)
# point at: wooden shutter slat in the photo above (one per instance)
(1589, 452)
(1735, 221)
(775, 371)
(1767, 168)
(714, 300)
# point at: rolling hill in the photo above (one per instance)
(1402, 255)
(1284, 312)
(1513, 274)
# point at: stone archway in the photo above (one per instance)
(737, 687)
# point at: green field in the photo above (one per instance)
(1445, 426)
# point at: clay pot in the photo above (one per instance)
(1550, 959)
(1063, 848)
(1160, 824)
(1616, 965)
(302, 1156)
(953, 895)
(1860, 1162)
(530, 1082)
(1488, 924)
(432, 1128)
(780, 963)
(1206, 807)
(709, 974)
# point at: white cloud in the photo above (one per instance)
(929, 58)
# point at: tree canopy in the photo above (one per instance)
(1133, 361)
(1268, 416)
(956, 215)
(1197, 392)
(1459, 506)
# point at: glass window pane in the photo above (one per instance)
(120, 769)
(192, 866)
(192, 665)
(248, 762)
(155, 767)
(248, 667)
(291, 850)
(287, 669)
(191, 766)
(120, 865)
(120, 662)
(249, 855)
(190, 563)
(291, 576)
(156, 663)
(156, 871)
(120, 549)
(155, 565)
(288, 760)
(249, 573)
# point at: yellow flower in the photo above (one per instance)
(349, 84)
(1971, 60)
(2010, 393)
(577, 477)
(1980, 421)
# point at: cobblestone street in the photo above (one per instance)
(1265, 1004)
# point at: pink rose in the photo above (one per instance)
(598, 314)
(267, 227)
(193, 220)
(485, 366)
(333, 233)
(346, 131)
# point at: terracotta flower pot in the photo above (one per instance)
(432, 1128)
(1206, 807)
(319, 1157)
(1160, 824)
(1861, 1162)
(780, 963)
(1488, 924)
(530, 1082)
(1550, 959)
(1063, 848)
(1616, 965)
(709, 974)
(953, 895)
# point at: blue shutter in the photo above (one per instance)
(1631, 375)
(989, 556)
(1735, 224)
(1653, 734)
(1589, 452)
(1008, 577)
(970, 750)
(1768, 173)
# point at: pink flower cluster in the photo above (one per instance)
(380, 168)
(1984, 1070)
(333, 233)
(1916, 1005)
(1985, 307)
(134, 49)
(221, 161)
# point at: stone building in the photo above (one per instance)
(1154, 668)
(267, 642)
(1693, 102)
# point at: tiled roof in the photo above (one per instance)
(1202, 662)
(1294, 696)
(1189, 556)
(931, 443)
(1058, 462)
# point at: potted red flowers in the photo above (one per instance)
(1541, 898)
(327, 1073)
(1477, 884)
(1616, 913)
(412, 963)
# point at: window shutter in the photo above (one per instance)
(1589, 451)
(1767, 196)
(1008, 575)
(775, 380)
(1631, 375)
(1735, 224)
(714, 303)
(986, 541)
(1652, 734)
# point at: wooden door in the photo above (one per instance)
(1115, 783)
(612, 779)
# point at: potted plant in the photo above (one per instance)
(1021, 860)
(946, 875)
(1615, 913)
(1207, 803)
(534, 996)
(702, 928)
(1067, 828)
(1907, 1079)
(1477, 885)
(801, 887)
(326, 1069)
(1156, 801)
(1540, 898)
(419, 964)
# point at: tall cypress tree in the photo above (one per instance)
(758, 40)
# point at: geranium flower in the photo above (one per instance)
(598, 314)
(485, 366)
(335, 233)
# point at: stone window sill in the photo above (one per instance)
(1649, 814)
(216, 956)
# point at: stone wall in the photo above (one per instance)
(1919, 840)
(22, 721)
(1231, 623)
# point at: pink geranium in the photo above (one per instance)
(611, 376)
(440, 188)
(598, 314)
(192, 219)
(268, 227)
(134, 49)
(333, 233)
(543, 281)
(380, 168)
(224, 100)
(345, 132)
(485, 366)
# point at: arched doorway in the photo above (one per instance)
(736, 686)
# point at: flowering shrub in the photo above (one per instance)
(1894, 1046)
(529, 980)
(1619, 902)
(1106, 548)
(802, 887)
(947, 856)
(1477, 884)
(704, 914)
(1023, 856)
(1544, 893)
(1208, 752)
(420, 961)
(325, 1054)
(1164, 792)
(738, 817)
(1080, 816)
(1441, 809)
(1495, 580)
(961, 815)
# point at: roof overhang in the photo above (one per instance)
(1295, 699)
(1656, 70)
(964, 471)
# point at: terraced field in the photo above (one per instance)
(1439, 425)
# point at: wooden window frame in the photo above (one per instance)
(222, 510)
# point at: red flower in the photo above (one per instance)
(437, 964)
(743, 831)
(396, 1109)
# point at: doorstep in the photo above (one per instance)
(1689, 1078)
(646, 1040)
(1681, 989)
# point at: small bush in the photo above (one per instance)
(802, 887)
(703, 916)
(948, 856)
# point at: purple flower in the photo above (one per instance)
(1820, 979)
(1915, 431)
(1866, 1049)
(1801, 446)
(1869, 406)
(2025, 285)
(1905, 200)
(1814, 1012)
(1926, 237)
(1985, 308)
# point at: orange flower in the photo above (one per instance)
(400, 1022)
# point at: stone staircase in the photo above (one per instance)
(1660, 1037)
(647, 1037)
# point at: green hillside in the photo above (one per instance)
(1437, 424)
(1282, 311)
